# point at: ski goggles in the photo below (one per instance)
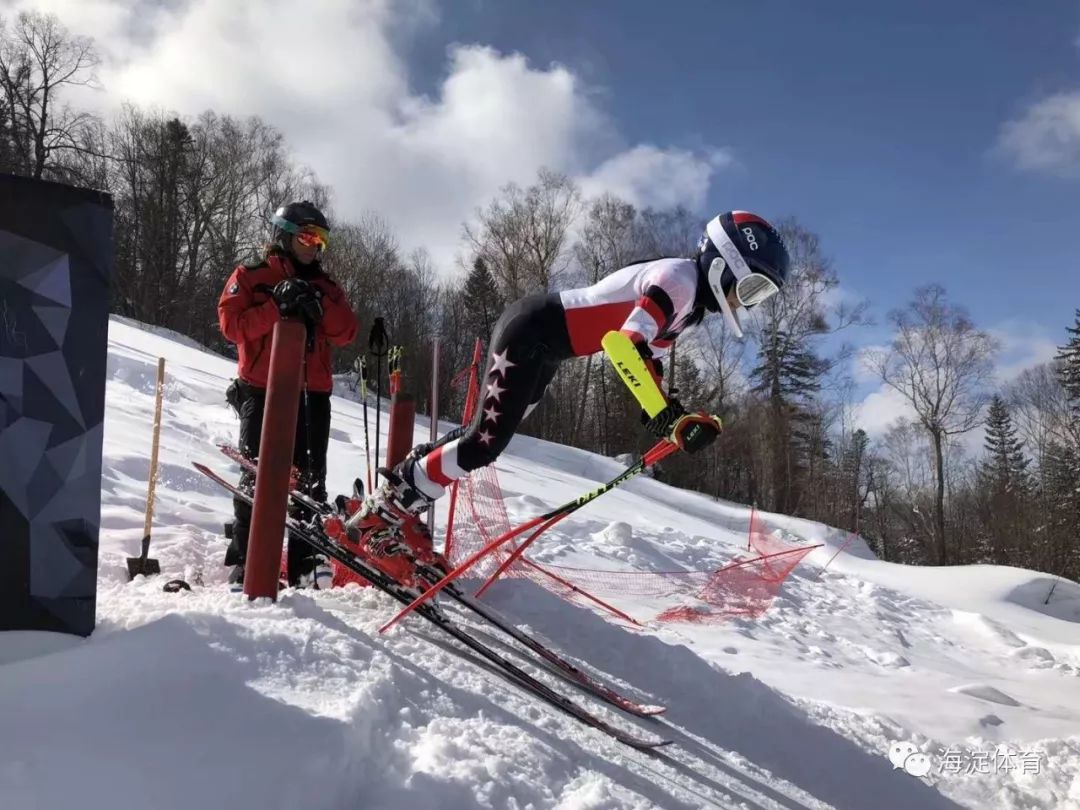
(312, 236)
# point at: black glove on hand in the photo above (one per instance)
(695, 431)
(690, 431)
(660, 425)
(296, 297)
(310, 306)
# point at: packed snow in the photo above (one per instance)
(866, 684)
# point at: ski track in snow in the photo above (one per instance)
(203, 698)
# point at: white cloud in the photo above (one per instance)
(330, 76)
(1023, 346)
(1047, 137)
(880, 409)
(648, 176)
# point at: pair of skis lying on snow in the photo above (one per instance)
(312, 534)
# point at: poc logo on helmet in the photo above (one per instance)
(749, 232)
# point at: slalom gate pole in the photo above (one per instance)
(400, 431)
(471, 394)
(582, 593)
(843, 546)
(393, 369)
(750, 530)
(433, 416)
(377, 346)
(276, 444)
(660, 450)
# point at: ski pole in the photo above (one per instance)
(377, 347)
(660, 450)
(393, 367)
(361, 370)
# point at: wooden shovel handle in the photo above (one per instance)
(154, 448)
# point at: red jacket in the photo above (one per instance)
(247, 314)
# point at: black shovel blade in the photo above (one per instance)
(143, 564)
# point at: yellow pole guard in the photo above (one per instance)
(632, 369)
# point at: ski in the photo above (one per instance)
(248, 464)
(558, 665)
(508, 669)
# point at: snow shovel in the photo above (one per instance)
(143, 564)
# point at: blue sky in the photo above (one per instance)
(876, 124)
(924, 142)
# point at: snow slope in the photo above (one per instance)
(204, 699)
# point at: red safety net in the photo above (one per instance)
(744, 587)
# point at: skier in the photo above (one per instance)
(741, 261)
(288, 281)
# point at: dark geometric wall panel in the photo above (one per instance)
(55, 267)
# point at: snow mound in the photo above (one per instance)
(204, 697)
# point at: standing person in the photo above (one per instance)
(288, 281)
(741, 261)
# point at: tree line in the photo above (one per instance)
(192, 197)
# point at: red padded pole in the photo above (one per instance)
(275, 459)
(400, 440)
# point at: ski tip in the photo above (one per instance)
(652, 711)
(646, 745)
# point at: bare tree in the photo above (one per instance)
(611, 237)
(38, 59)
(521, 236)
(940, 363)
(791, 367)
(1041, 408)
(670, 231)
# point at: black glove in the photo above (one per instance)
(297, 298)
(311, 306)
(695, 431)
(660, 425)
(690, 431)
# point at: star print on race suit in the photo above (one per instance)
(500, 362)
(494, 391)
(520, 366)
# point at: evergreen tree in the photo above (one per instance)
(852, 475)
(1003, 493)
(788, 376)
(1005, 469)
(1059, 549)
(1068, 357)
(483, 304)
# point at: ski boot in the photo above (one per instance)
(387, 530)
(319, 576)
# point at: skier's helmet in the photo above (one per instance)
(302, 220)
(742, 251)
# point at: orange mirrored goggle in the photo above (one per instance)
(313, 236)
